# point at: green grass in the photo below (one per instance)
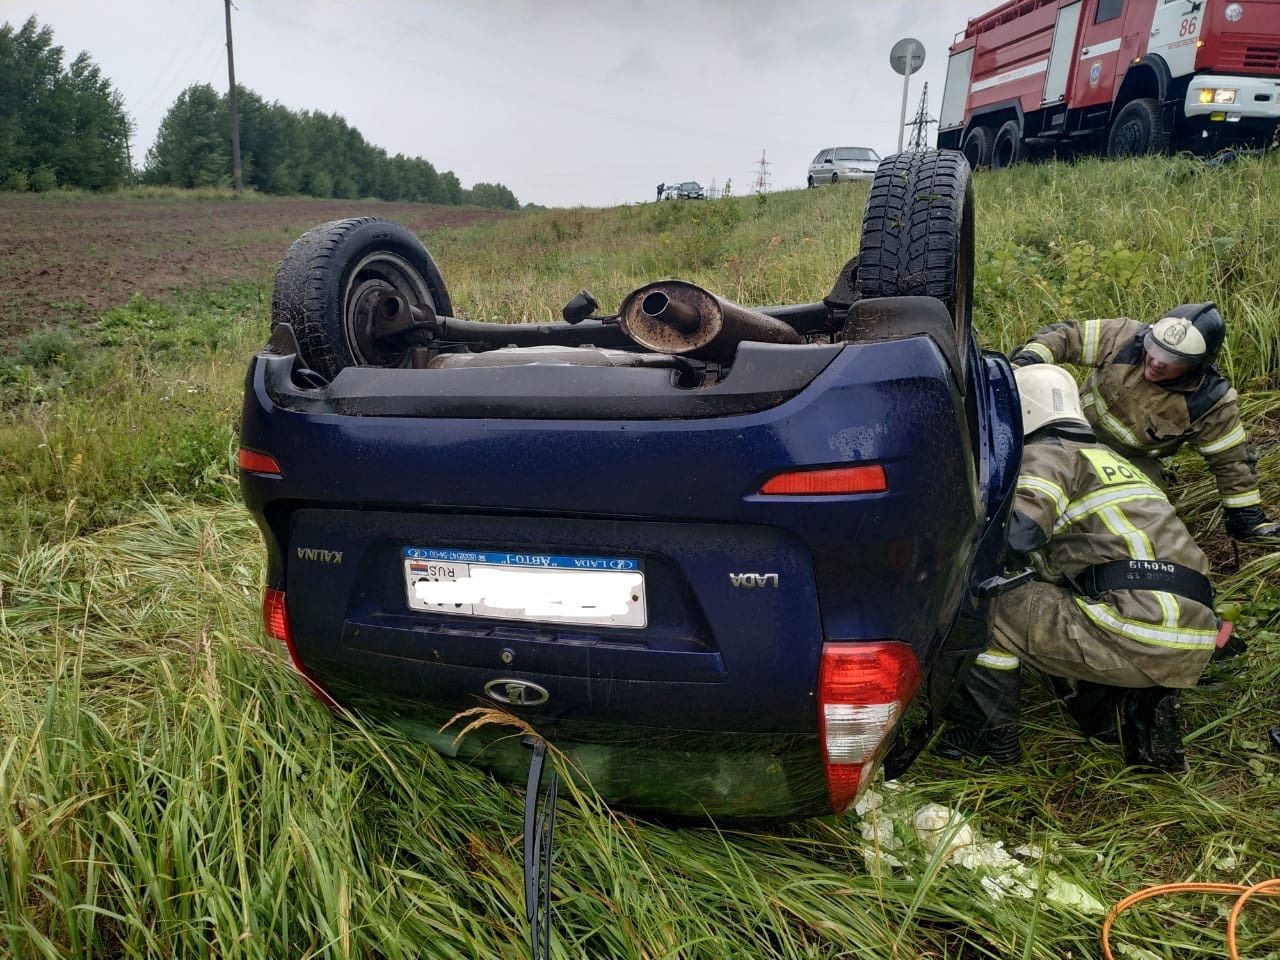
(168, 788)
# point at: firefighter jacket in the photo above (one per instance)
(1143, 419)
(1091, 506)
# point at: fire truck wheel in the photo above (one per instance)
(331, 277)
(1138, 128)
(977, 147)
(1007, 149)
(917, 236)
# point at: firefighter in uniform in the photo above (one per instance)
(1152, 388)
(1122, 604)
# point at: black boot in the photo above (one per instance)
(982, 716)
(999, 743)
(1151, 730)
(1092, 705)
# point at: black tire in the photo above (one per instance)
(324, 277)
(1139, 128)
(1007, 148)
(917, 236)
(977, 147)
(810, 181)
(835, 178)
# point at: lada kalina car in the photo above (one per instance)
(725, 558)
(841, 164)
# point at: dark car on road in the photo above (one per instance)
(724, 558)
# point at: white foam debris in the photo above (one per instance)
(890, 830)
(1067, 894)
(881, 833)
(936, 825)
(998, 886)
(867, 802)
(1138, 953)
(988, 856)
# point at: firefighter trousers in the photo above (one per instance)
(1042, 625)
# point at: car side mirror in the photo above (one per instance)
(579, 308)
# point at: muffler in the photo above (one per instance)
(672, 316)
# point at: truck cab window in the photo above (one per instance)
(1108, 10)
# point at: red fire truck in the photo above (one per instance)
(1123, 76)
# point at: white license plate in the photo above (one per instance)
(599, 591)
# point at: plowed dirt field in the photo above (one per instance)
(68, 260)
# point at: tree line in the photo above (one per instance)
(68, 127)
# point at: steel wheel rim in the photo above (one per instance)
(379, 272)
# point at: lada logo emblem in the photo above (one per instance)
(753, 580)
(516, 693)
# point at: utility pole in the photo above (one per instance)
(128, 149)
(762, 174)
(231, 103)
(906, 57)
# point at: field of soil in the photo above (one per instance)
(65, 260)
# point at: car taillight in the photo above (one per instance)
(863, 691)
(275, 618)
(827, 480)
(255, 462)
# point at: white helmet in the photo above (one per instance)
(1049, 395)
(1176, 340)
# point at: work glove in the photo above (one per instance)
(1249, 523)
(1024, 358)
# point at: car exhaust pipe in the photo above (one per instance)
(676, 317)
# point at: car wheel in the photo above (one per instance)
(329, 278)
(977, 147)
(810, 181)
(1007, 148)
(1139, 128)
(917, 236)
(835, 178)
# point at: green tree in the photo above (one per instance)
(192, 147)
(493, 195)
(314, 153)
(70, 120)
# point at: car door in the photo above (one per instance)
(1099, 53)
(820, 168)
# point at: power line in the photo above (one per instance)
(920, 123)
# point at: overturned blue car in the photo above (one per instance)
(725, 558)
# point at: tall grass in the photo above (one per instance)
(167, 788)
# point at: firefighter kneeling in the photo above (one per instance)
(1121, 614)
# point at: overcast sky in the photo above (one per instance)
(567, 102)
